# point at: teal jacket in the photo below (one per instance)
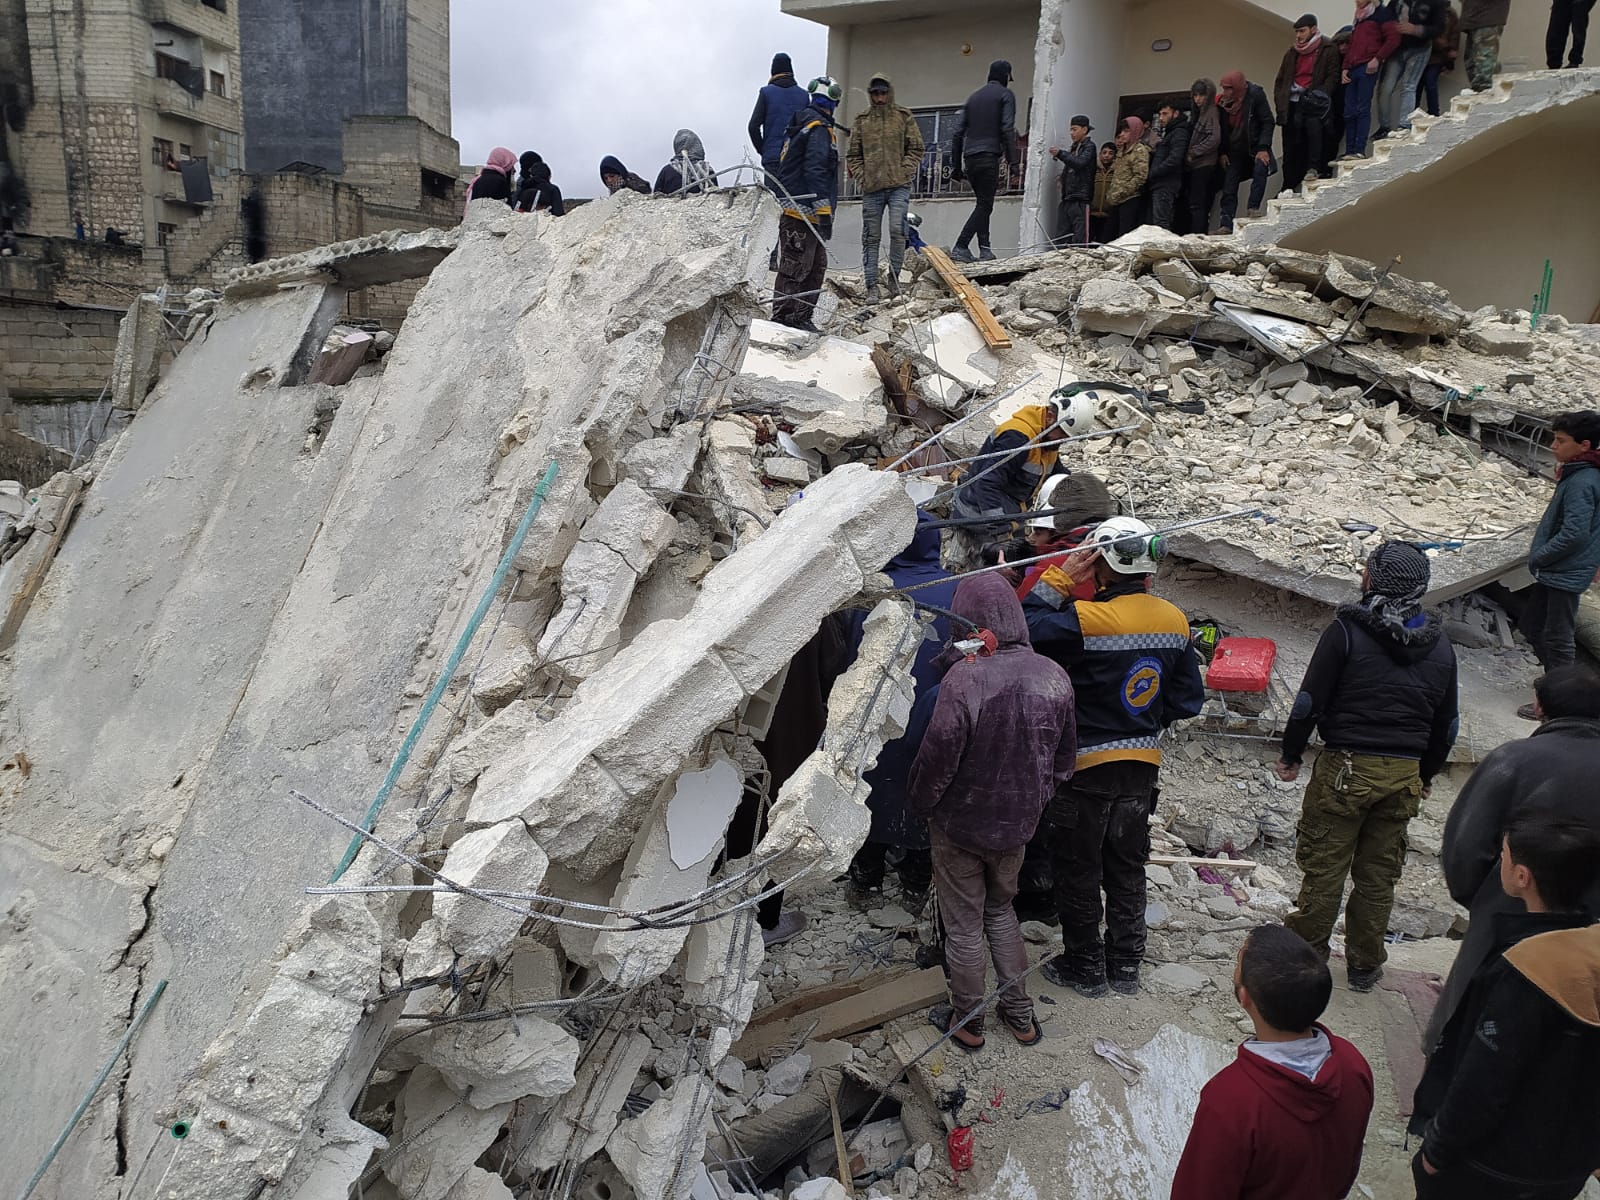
(1566, 546)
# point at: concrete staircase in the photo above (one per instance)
(1458, 131)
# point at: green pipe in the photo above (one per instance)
(99, 1081)
(448, 672)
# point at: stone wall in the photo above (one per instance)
(28, 461)
(53, 352)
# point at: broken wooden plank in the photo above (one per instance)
(852, 1014)
(963, 288)
(1197, 860)
(839, 1150)
(58, 500)
(812, 998)
(910, 1049)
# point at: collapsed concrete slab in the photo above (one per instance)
(140, 338)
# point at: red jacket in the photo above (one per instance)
(1378, 37)
(1264, 1132)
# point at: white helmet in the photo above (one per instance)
(1046, 490)
(1078, 412)
(1127, 545)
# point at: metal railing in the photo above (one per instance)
(933, 180)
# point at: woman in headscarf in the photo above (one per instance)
(535, 192)
(616, 177)
(687, 173)
(494, 181)
(1128, 175)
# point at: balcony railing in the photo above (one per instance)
(933, 180)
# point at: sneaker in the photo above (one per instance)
(873, 297)
(1254, 212)
(1363, 981)
(985, 254)
(791, 924)
(1313, 175)
(1061, 973)
(961, 254)
(1527, 713)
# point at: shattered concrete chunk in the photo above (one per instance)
(495, 1062)
(658, 1151)
(951, 345)
(440, 1134)
(140, 338)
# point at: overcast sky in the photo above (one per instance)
(580, 81)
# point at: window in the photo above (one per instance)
(219, 84)
(165, 233)
(184, 151)
(161, 152)
(933, 177)
(219, 5)
(440, 187)
(168, 67)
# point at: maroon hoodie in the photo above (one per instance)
(1003, 734)
(1265, 1132)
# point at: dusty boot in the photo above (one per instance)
(1065, 974)
(892, 285)
(863, 897)
(961, 254)
(985, 254)
(873, 296)
(913, 900)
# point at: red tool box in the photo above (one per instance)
(1242, 664)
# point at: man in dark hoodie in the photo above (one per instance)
(884, 156)
(688, 174)
(809, 172)
(1001, 740)
(1381, 688)
(1077, 161)
(1247, 129)
(1554, 767)
(894, 825)
(1167, 162)
(535, 191)
(1507, 1107)
(985, 132)
(616, 177)
(1566, 546)
(1288, 1117)
(1307, 80)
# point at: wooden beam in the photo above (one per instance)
(58, 500)
(852, 1014)
(982, 317)
(1195, 860)
(812, 998)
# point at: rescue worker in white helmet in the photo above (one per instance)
(1134, 673)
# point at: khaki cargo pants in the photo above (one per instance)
(1353, 823)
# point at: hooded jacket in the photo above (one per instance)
(1566, 547)
(536, 190)
(612, 165)
(987, 123)
(1130, 659)
(1254, 131)
(886, 145)
(1554, 767)
(1326, 63)
(809, 166)
(687, 173)
(776, 105)
(1002, 737)
(1374, 689)
(1509, 1096)
(1265, 1132)
(1132, 168)
(1167, 159)
(1079, 161)
(1205, 141)
(893, 822)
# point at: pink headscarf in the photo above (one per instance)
(1135, 127)
(1233, 86)
(501, 160)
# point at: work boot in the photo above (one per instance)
(961, 254)
(1125, 979)
(985, 254)
(1060, 971)
(892, 284)
(1254, 212)
(1363, 981)
(873, 296)
(864, 897)
(913, 900)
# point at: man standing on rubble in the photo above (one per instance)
(1205, 152)
(985, 132)
(1374, 37)
(1307, 80)
(1381, 688)
(1077, 161)
(1134, 673)
(1167, 163)
(884, 157)
(1000, 742)
(1566, 546)
(776, 105)
(1247, 129)
(809, 172)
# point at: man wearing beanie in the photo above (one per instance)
(1381, 689)
(985, 131)
(776, 105)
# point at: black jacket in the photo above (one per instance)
(987, 124)
(1078, 163)
(809, 166)
(1325, 71)
(1510, 1095)
(1555, 766)
(1168, 155)
(1427, 13)
(1372, 692)
(535, 189)
(1258, 127)
(490, 185)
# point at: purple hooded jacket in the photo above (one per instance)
(1003, 735)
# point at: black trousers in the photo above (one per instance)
(871, 864)
(1125, 217)
(1100, 840)
(802, 266)
(1163, 207)
(1548, 620)
(1302, 146)
(745, 831)
(1565, 16)
(1204, 184)
(1466, 1183)
(1072, 223)
(983, 173)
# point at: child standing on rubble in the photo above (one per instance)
(1002, 738)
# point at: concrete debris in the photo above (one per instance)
(141, 336)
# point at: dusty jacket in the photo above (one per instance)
(1265, 1132)
(1205, 142)
(1002, 737)
(885, 145)
(1555, 767)
(1566, 546)
(1128, 173)
(1510, 1093)
(1484, 14)
(1167, 159)
(1102, 189)
(1327, 63)
(1004, 484)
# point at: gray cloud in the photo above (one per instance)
(616, 77)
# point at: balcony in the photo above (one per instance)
(866, 12)
(219, 27)
(172, 99)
